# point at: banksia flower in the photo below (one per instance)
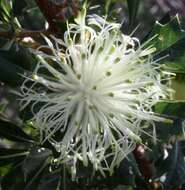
(93, 96)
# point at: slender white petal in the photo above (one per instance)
(101, 86)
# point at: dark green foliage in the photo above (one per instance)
(133, 6)
(12, 132)
(167, 34)
(18, 7)
(11, 74)
(174, 111)
(11, 156)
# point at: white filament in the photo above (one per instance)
(103, 89)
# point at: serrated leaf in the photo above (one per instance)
(170, 43)
(175, 62)
(167, 34)
(12, 132)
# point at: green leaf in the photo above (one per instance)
(107, 5)
(174, 112)
(49, 180)
(127, 171)
(178, 85)
(175, 62)
(33, 183)
(34, 161)
(10, 73)
(167, 34)
(20, 56)
(13, 180)
(5, 10)
(170, 43)
(133, 7)
(27, 174)
(171, 108)
(5, 169)
(18, 6)
(12, 132)
(10, 156)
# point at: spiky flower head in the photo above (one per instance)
(98, 89)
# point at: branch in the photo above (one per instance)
(146, 167)
(56, 12)
(30, 43)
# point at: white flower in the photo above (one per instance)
(96, 90)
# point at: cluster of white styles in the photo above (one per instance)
(95, 90)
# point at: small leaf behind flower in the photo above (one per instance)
(12, 132)
(167, 34)
(175, 112)
(33, 166)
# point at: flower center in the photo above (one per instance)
(87, 92)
